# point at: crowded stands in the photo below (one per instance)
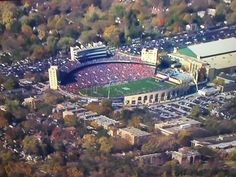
(103, 74)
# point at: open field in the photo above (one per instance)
(128, 88)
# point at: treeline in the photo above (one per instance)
(36, 29)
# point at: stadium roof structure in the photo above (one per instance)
(210, 49)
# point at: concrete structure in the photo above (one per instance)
(73, 53)
(133, 135)
(150, 56)
(225, 142)
(53, 77)
(215, 57)
(186, 155)
(104, 121)
(152, 159)
(174, 126)
(174, 76)
(157, 96)
(90, 52)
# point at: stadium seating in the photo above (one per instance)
(103, 74)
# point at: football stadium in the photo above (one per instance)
(127, 88)
(133, 79)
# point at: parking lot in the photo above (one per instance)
(168, 44)
(184, 107)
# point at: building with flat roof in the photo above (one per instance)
(216, 57)
(174, 126)
(53, 77)
(133, 135)
(90, 52)
(150, 56)
(226, 141)
(104, 121)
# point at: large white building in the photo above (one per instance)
(216, 57)
(53, 77)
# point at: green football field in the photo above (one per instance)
(128, 88)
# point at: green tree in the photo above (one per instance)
(38, 52)
(134, 28)
(89, 142)
(88, 36)
(135, 122)
(232, 155)
(111, 34)
(105, 145)
(10, 84)
(31, 145)
(195, 112)
(65, 42)
(118, 11)
(52, 44)
(218, 82)
(70, 120)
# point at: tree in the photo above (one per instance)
(105, 145)
(42, 32)
(120, 145)
(93, 14)
(232, 155)
(89, 142)
(10, 84)
(3, 122)
(38, 52)
(31, 145)
(70, 120)
(60, 23)
(135, 122)
(184, 138)
(65, 42)
(111, 34)
(88, 36)
(52, 44)
(134, 28)
(27, 30)
(195, 112)
(218, 82)
(74, 172)
(118, 11)
(52, 98)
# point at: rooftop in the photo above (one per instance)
(177, 122)
(208, 49)
(104, 121)
(222, 61)
(218, 139)
(176, 125)
(135, 131)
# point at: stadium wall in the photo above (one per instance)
(158, 96)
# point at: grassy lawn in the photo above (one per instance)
(129, 88)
